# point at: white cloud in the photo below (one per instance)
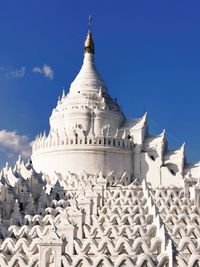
(37, 70)
(46, 70)
(17, 73)
(13, 144)
(13, 73)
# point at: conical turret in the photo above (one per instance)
(88, 78)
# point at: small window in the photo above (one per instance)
(21, 206)
(172, 172)
(152, 157)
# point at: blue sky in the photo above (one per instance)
(148, 52)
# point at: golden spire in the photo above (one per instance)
(89, 44)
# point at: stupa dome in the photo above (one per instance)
(86, 124)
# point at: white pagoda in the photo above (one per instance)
(99, 190)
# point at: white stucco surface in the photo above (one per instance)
(99, 190)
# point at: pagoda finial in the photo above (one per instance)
(89, 44)
(90, 23)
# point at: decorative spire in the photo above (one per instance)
(89, 44)
(90, 23)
